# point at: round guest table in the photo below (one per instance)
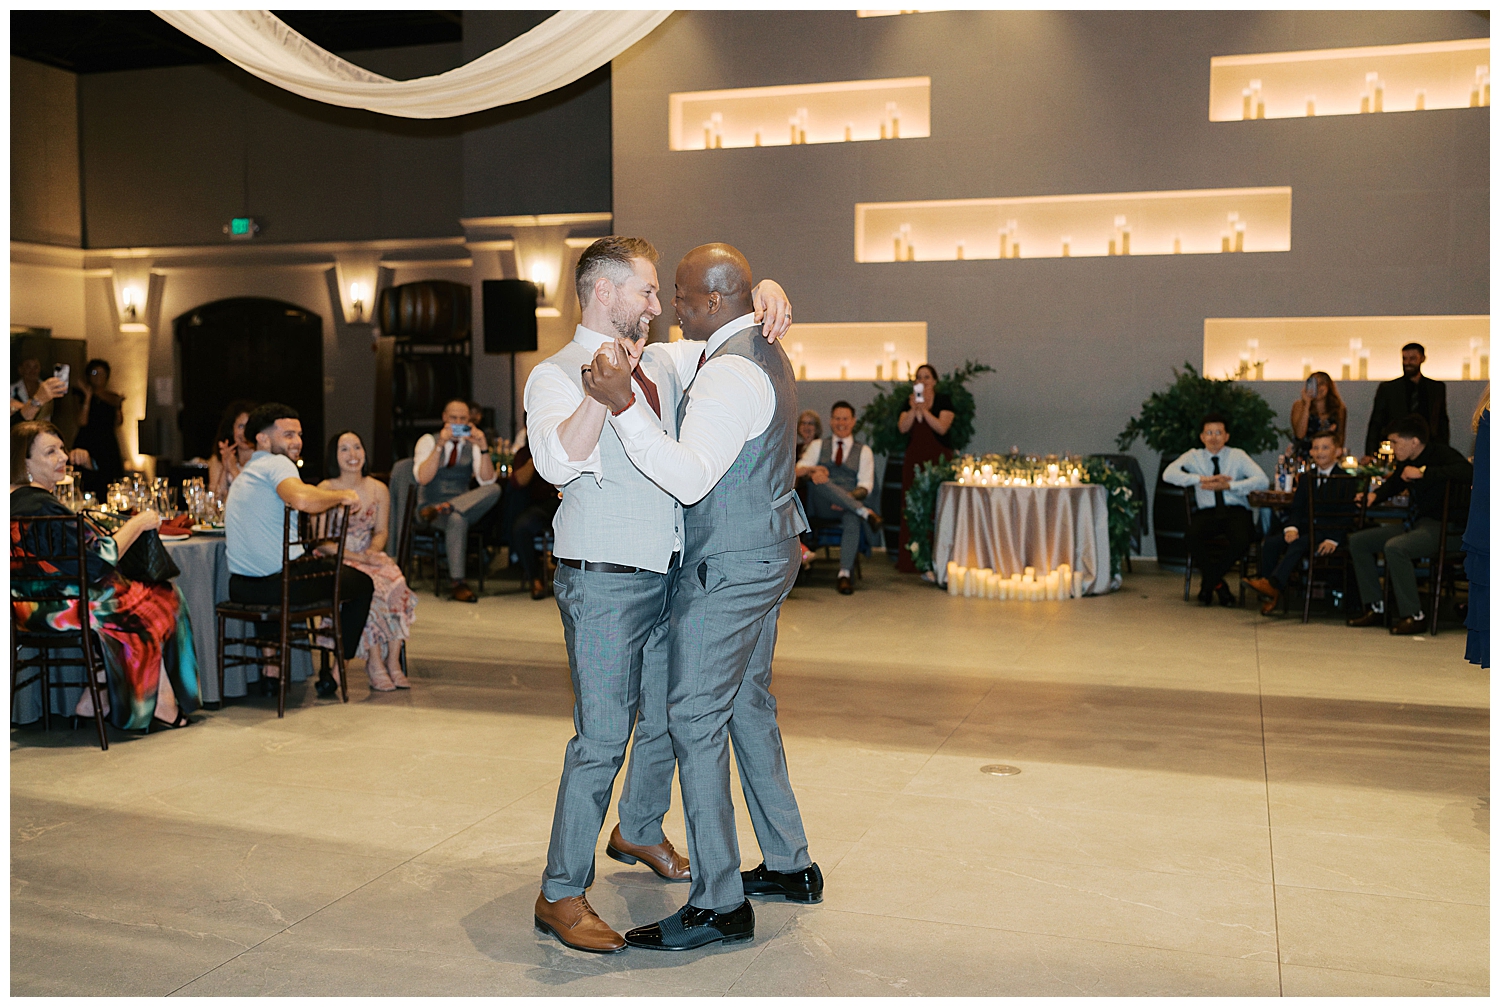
(204, 582)
(1008, 528)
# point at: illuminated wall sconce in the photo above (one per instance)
(130, 299)
(540, 274)
(359, 303)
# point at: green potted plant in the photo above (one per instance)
(1169, 423)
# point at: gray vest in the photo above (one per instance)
(451, 480)
(845, 476)
(625, 518)
(754, 504)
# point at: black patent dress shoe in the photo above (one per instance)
(805, 885)
(326, 688)
(691, 927)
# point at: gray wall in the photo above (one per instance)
(43, 155)
(1390, 212)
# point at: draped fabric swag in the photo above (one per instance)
(556, 52)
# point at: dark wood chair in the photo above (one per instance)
(1447, 568)
(299, 623)
(42, 551)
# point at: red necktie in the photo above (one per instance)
(838, 454)
(649, 387)
(702, 359)
(453, 458)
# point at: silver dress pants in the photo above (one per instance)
(615, 626)
(723, 635)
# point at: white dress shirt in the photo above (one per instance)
(427, 443)
(814, 450)
(730, 401)
(1245, 477)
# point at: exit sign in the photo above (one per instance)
(240, 228)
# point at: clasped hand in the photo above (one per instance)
(607, 378)
(1212, 483)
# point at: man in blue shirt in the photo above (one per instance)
(268, 484)
(1221, 527)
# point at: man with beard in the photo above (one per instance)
(618, 539)
(1413, 393)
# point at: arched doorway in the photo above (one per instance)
(250, 348)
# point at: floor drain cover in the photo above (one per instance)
(999, 770)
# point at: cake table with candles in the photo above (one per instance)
(1022, 539)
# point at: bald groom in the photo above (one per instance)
(732, 467)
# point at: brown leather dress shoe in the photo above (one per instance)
(538, 589)
(1370, 618)
(668, 864)
(1410, 626)
(574, 922)
(846, 586)
(461, 592)
(426, 514)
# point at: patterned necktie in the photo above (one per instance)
(1218, 494)
(838, 454)
(649, 387)
(702, 359)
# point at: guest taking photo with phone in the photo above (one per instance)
(446, 466)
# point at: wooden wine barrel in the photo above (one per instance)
(424, 384)
(1169, 519)
(429, 311)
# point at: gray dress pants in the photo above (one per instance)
(723, 635)
(467, 508)
(615, 626)
(1401, 547)
(822, 498)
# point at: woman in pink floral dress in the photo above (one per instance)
(394, 606)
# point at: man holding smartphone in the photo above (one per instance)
(444, 466)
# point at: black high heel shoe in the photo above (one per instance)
(158, 725)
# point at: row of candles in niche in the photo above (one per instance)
(1054, 474)
(1061, 584)
(1371, 99)
(889, 360)
(1356, 366)
(1231, 240)
(713, 128)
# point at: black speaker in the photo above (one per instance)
(509, 316)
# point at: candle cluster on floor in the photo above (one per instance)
(981, 582)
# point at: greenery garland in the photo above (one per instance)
(1122, 506)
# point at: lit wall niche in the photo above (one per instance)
(851, 351)
(1354, 348)
(1190, 221)
(1377, 78)
(893, 13)
(836, 112)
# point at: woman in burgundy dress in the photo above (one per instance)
(925, 423)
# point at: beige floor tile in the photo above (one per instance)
(1047, 784)
(1063, 835)
(1176, 912)
(1302, 981)
(1384, 865)
(828, 953)
(488, 915)
(1369, 811)
(1411, 938)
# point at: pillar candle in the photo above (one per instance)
(955, 579)
(1029, 573)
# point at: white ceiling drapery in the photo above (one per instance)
(556, 52)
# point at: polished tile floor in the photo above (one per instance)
(1209, 803)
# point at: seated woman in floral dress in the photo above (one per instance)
(142, 628)
(394, 606)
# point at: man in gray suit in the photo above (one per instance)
(732, 467)
(618, 538)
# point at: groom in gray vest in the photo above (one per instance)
(841, 473)
(618, 541)
(731, 465)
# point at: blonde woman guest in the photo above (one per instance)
(393, 607)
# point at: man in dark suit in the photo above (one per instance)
(1399, 398)
(1283, 549)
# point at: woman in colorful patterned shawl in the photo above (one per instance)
(142, 628)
